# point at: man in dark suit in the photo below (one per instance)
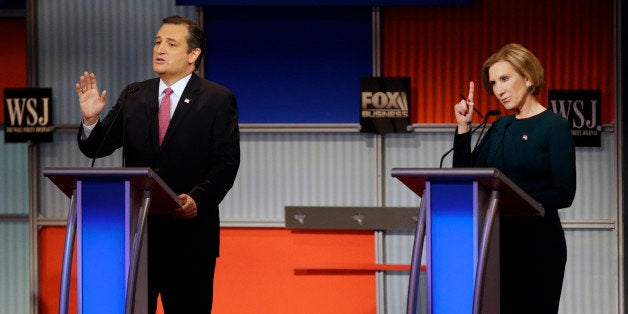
(196, 153)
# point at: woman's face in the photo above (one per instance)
(510, 88)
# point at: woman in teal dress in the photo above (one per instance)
(533, 146)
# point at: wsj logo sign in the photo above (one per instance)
(384, 104)
(581, 108)
(28, 115)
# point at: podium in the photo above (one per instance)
(108, 211)
(459, 223)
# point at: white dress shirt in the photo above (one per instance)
(177, 91)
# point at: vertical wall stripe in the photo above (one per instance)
(14, 174)
(591, 273)
(443, 48)
(596, 182)
(14, 269)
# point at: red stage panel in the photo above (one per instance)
(261, 271)
(443, 48)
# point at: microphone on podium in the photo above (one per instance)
(494, 112)
(130, 90)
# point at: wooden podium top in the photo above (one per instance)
(163, 199)
(513, 200)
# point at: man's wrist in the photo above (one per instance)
(90, 121)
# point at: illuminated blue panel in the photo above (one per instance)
(102, 255)
(452, 245)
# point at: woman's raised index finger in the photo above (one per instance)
(471, 90)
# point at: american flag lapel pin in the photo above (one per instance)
(524, 137)
(187, 100)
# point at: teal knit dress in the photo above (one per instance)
(538, 154)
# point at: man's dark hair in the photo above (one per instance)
(195, 38)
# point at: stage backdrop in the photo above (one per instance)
(443, 48)
(13, 68)
(291, 64)
(303, 64)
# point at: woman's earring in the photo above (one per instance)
(529, 88)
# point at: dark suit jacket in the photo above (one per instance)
(200, 154)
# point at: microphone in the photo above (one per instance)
(481, 125)
(130, 90)
(488, 114)
(476, 109)
(494, 112)
(500, 146)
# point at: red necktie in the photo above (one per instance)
(164, 114)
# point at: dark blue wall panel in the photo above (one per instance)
(291, 64)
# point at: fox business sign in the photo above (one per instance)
(28, 115)
(384, 104)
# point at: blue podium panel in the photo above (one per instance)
(102, 258)
(108, 211)
(451, 246)
(458, 217)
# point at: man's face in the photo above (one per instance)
(171, 59)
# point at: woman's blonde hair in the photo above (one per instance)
(524, 62)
